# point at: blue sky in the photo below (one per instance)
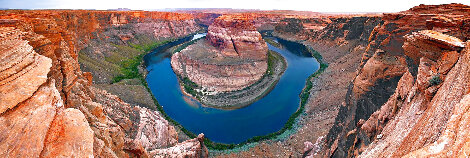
(306, 5)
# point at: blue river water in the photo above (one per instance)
(262, 117)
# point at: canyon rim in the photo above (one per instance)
(76, 83)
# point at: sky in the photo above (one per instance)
(301, 5)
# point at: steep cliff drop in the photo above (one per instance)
(50, 108)
(408, 97)
(401, 98)
(232, 58)
(396, 85)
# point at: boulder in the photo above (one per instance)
(69, 136)
(23, 130)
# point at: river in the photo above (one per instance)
(262, 117)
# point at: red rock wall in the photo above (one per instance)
(236, 52)
(219, 77)
(401, 61)
(33, 118)
(56, 109)
(236, 36)
(423, 112)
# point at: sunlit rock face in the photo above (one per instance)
(236, 36)
(232, 57)
(22, 69)
(407, 96)
(50, 108)
(189, 148)
(423, 117)
(33, 120)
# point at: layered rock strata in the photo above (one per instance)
(236, 36)
(399, 63)
(188, 148)
(228, 63)
(424, 111)
(50, 108)
(23, 70)
(233, 56)
(407, 97)
(217, 73)
(33, 117)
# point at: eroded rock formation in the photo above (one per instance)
(23, 70)
(399, 101)
(236, 36)
(189, 148)
(233, 56)
(33, 117)
(50, 108)
(424, 111)
(409, 96)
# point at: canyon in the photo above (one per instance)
(397, 84)
(226, 65)
(240, 61)
(50, 108)
(402, 98)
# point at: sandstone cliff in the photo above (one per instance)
(236, 36)
(406, 97)
(329, 88)
(400, 70)
(420, 113)
(232, 57)
(409, 96)
(49, 107)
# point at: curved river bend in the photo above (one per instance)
(262, 117)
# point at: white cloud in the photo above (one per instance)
(307, 5)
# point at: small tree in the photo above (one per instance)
(435, 80)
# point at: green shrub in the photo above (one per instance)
(149, 46)
(271, 59)
(189, 86)
(435, 80)
(316, 54)
(130, 70)
(130, 67)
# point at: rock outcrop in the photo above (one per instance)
(426, 111)
(394, 95)
(409, 96)
(40, 126)
(215, 77)
(33, 117)
(236, 36)
(69, 135)
(229, 68)
(23, 70)
(50, 108)
(398, 87)
(189, 148)
(232, 57)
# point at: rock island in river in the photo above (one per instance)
(231, 67)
